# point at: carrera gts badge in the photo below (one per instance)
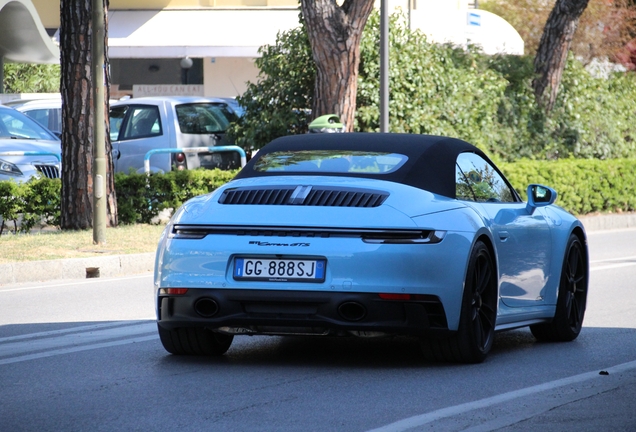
(262, 243)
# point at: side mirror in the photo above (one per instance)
(540, 196)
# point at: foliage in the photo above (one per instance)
(279, 103)
(592, 117)
(10, 203)
(583, 185)
(434, 89)
(604, 28)
(140, 198)
(445, 90)
(31, 78)
(41, 203)
(29, 204)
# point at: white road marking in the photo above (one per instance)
(46, 344)
(614, 259)
(76, 349)
(420, 420)
(612, 266)
(66, 330)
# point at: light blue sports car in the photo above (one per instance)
(370, 235)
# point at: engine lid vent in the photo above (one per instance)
(304, 196)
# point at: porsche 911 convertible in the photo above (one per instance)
(370, 235)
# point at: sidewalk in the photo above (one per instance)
(123, 265)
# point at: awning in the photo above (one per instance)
(23, 38)
(196, 33)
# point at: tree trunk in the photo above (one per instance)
(111, 199)
(552, 53)
(334, 33)
(77, 114)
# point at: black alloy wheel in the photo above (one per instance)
(572, 297)
(483, 306)
(476, 332)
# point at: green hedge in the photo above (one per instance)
(140, 197)
(584, 186)
(32, 203)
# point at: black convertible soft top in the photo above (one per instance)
(430, 165)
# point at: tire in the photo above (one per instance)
(194, 341)
(572, 297)
(476, 332)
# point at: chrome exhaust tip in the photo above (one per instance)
(352, 311)
(206, 307)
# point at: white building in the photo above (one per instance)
(148, 39)
(458, 23)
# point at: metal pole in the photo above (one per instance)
(384, 66)
(99, 134)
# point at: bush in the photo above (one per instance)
(434, 89)
(34, 202)
(10, 203)
(592, 117)
(140, 198)
(583, 186)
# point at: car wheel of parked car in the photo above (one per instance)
(194, 341)
(476, 332)
(570, 309)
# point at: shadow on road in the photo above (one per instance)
(594, 344)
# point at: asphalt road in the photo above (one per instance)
(83, 355)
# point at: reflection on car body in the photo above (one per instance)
(19, 133)
(47, 112)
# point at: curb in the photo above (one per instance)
(609, 222)
(76, 268)
(124, 265)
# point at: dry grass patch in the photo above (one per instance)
(49, 245)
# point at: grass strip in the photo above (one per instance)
(48, 244)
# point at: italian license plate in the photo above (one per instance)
(279, 270)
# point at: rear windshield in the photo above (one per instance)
(204, 118)
(330, 161)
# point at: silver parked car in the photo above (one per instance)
(47, 112)
(139, 125)
(21, 134)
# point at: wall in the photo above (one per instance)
(442, 20)
(227, 76)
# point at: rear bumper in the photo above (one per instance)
(300, 312)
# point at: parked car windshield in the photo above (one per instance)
(204, 118)
(15, 125)
(333, 161)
